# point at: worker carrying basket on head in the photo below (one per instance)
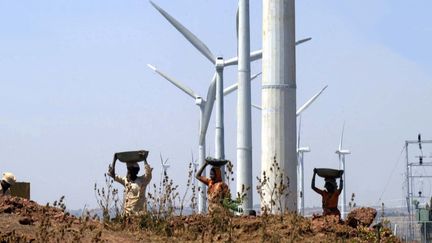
(135, 186)
(330, 196)
(218, 193)
(217, 189)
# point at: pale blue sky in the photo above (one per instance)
(75, 88)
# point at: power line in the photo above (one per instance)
(391, 175)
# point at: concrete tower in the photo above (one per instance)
(279, 96)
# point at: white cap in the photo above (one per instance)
(9, 178)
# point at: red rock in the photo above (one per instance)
(25, 221)
(361, 216)
(6, 209)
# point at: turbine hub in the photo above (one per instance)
(199, 101)
(219, 63)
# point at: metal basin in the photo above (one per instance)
(329, 173)
(216, 162)
(131, 156)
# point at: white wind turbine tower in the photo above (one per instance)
(205, 107)
(220, 64)
(341, 153)
(244, 120)
(300, 171)
(300, 155)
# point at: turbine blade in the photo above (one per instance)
(211, 95)
(234, 87)
(258, 54)
(228, 90)
(237, 24)
(309, 102)
(303, 41)
(257, 107)
(184, 88)
(299, 133)
(197, 43)
(255, 55)
(231, 61)
(341, 138)
(255, 76)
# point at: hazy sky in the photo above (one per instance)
(75, 88)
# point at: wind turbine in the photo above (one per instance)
(341, 154)
(300, 154)
(165, 165)
(205, 107)
(300, 171)
(220, 64)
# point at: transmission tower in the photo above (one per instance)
(415, 171)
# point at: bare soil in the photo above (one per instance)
(22, 220)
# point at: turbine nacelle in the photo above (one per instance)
(220, 63)
(199, 101)
(303, 149)
(343, 151)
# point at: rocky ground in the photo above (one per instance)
(22, 220)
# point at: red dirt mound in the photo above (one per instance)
(361, 216)
(22, 220)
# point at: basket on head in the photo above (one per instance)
(216, 162)
(132, 156)
(329, 173)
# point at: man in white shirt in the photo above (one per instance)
(135, 186)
